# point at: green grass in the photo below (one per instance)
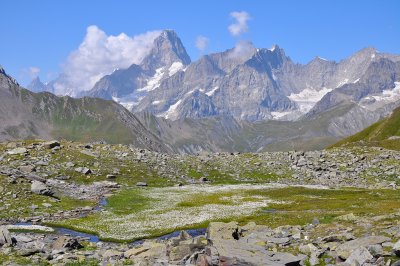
(292, 205)
(21, 206)
(377, 134)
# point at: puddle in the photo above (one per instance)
(269, 211)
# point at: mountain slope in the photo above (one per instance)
(226, 134)
(25, 115)
(384, 133)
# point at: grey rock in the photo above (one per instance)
(51, 144)
(141, 184)
(5, 236)
(396, 248)
(18, 151)
(41, 188)
(359, 256)
(83, 170)
(345, 249)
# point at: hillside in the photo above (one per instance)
(28, 115)
(385, 133)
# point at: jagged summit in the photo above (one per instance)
(167, 49)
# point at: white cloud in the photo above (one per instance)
(98, 55)
(33, 72)
(201, 42)
(243, 49)
(240, 24)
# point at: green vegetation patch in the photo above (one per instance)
(144, 213)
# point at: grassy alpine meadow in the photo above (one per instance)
(144, 213)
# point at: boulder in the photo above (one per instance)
(40, 188)
(17, 151)
(222, 231)
(5, 236)
(345, 249)
(179, 252)
(27, 168)
(68, 243)
(396, 248)
(359, 256)
(51, 144)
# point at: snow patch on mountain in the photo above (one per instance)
(175, 67)
(172, 113)
(280, 115)
(373, 102)
(155, 81)
(341, 83)
(307, 98)
(389, 95)
(211, 92)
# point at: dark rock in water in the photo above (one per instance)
(51, 144)
(141, 184)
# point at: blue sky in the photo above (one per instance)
(40, 35)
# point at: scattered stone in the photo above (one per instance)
(27, 168)
(110, 176)
(83, 170)
(203, 179)
(141, 184)
(18, 151)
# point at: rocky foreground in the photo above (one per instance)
(42, 183)
(223, 244)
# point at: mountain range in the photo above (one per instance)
(248, 98)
